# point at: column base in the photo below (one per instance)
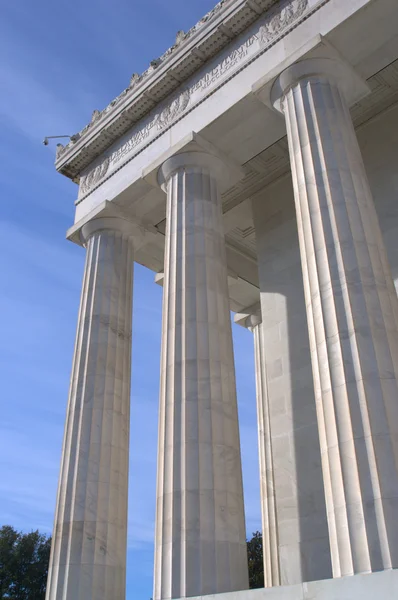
(382, 585)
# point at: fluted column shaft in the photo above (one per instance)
(352, 316)
(200, 545)
(267, 487)
(88, 556)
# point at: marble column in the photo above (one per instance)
(351, 308)
(88, 555)
(200, 545)
(267, 485)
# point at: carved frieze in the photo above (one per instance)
(280, 18)
(263, 33)
(159, 121)
(176, 107)
(94, 176)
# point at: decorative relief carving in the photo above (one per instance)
(180, 37)
(95, 115)
(58, 151)
(280, 18)
(262, 34)
(207, 17)
(134, 141)
(227, 63)
(94, 176)
(159, 120)
(177, 106)
(154, 64)
(135, 78)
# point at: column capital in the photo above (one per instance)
(109, 216)
(108, 223)
(317, 59)
(194, 151)
(316, 69)
(218, 168)
(250, 317)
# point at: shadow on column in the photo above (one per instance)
(303, 539)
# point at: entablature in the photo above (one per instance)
(191, 50)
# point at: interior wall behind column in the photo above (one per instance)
(300, 503)
(378, 141)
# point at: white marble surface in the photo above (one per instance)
(250, 318)
(266, 464)
(200, 545)
(303, 541)
(383, 586)
(352, 316)
(378, 141)
(88, 556)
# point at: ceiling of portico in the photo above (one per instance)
(273, 162)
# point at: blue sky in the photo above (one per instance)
(61, 60)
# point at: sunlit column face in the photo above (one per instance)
(352, 318)
(88, 558)
(200, 530)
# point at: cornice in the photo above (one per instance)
(191, 51)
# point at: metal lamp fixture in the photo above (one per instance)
(73, 138)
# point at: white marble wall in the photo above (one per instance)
(88, 555)
(378, 140)
(303, 543)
